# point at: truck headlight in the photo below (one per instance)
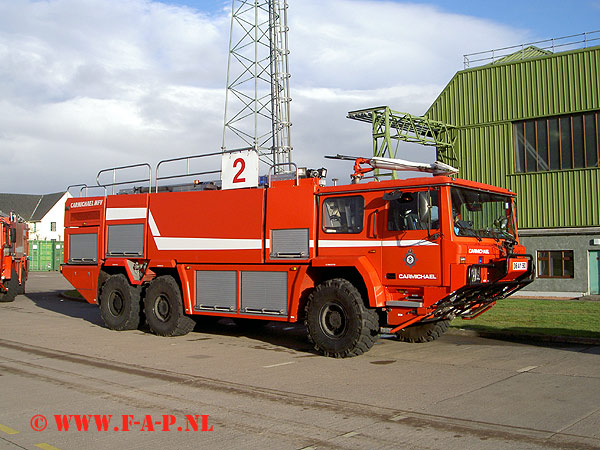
(474, 275)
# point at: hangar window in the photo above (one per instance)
(555, 263)
(557, 143)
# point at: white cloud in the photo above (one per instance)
(360, 44)
(88, 84)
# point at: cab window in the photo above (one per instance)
(343, 214)
(414, 211)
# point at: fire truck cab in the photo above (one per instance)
(14, 263)
(400, 256)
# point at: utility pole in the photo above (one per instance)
(257, 99)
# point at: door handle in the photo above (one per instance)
(375, 223)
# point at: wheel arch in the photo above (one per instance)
(358, 270)
(320, 275)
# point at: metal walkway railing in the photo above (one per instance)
(533, 49)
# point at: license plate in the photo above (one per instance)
(519, 265)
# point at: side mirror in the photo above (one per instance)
(390, 196)
(13, 235)
(394, 195)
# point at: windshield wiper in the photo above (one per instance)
(465, 227)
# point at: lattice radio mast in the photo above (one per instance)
(257, 100)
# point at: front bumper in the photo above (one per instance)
(471, 300)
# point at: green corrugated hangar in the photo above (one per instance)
(530, 122)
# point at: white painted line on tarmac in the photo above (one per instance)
(350, 434)
(527, 369)
(280, 364)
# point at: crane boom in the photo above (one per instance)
(394, 164)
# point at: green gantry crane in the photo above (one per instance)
(388, 125)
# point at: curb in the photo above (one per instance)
(507, 335)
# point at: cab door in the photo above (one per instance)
(348, 227)
(410, 238)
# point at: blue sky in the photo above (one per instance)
(86, 85)
(544, 18)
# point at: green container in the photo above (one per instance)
(45, 255)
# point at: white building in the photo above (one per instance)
(45, 214)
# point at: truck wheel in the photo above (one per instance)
(339, 324)
(423, 332)
(120, 304)
(163, 307)
(10, 295)
(102, 278)
(13, 287)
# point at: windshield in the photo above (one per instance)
(482, 214)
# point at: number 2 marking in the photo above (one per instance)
(237, 178)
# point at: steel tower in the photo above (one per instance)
(257, 100)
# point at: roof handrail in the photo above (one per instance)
(85, 187)
(119, 183)
(188, 159)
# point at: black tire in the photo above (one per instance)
(102, 278)
(163, 307)
(120, 303)
(339, 325)
(12, 287)
(9, 296)
(423, 332)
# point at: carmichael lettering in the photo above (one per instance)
(86, 203)
(417, 276)
(479, 251)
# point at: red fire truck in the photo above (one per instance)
(403, 257)
(14, 263)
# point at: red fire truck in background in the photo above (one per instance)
(399, 256)
(14, 263)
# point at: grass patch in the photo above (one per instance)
(73, 293)
(529, 316)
